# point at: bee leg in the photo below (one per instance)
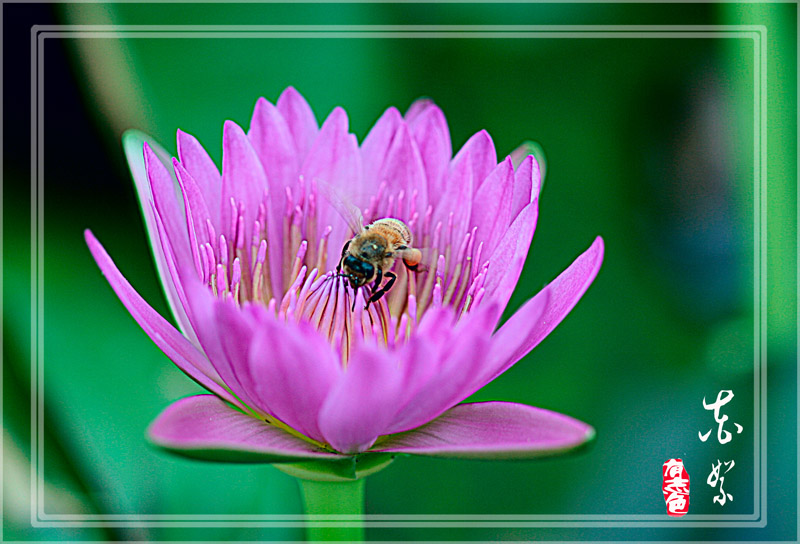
(344, 252)
(375, 286)
(376, 296)
(378, 280)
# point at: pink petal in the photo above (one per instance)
(360, 407)
(377, 143)
(177, 348)
(417, 108)
(197, 214)
(243, 179)
(300, 119)
(479, 151)
(492, 430)
(527, 183)
(430, 132)
(456, 198)
(272, 140)
(174, 271)
(296, 369)
(440, 366)
(334, 159)
(196, 161)
(226, 337)
(205, 427)
(491, 205)
(403, 171)
(133, 143)
(169, 203)
(540, 315)
(508, 258)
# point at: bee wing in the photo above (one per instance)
(343, 206)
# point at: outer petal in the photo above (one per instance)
(491, 205)
(179, 350)
(527, 184)
(360, 407)
(508, 258)
(197, 214)
(271, 138)
(196, 161)
(430, 132)
(480, 152)
(225, 343)
(492, 430)
(334, 159)
(296, 369)
(456, 198)
(437, 380)
(133, 143)
(205, 427)
(376, 145)
(169, 203)
(540, 315)
(234, 330)
(300, 119)
(417, 108)
(243, 180)
(403, 171)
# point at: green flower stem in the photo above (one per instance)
(325, 498)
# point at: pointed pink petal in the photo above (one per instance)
(376, 145)
(169, 203)
(196, 161)
(174, 274)
(197, 214)
(204, 427)
(417, 108)
(403, 171)
(450, 359)
(133, 142)
(527, 183)
(334, 160)
(300, 119)
(360, 407)
(430, 132)
(480, 152)
(296, 369)
(243, 180)
(540, 315)
(271, 138)
(508, 258)
(177, 348)
(492, 430)
(491, 205)
(226, 336)
(456, 198)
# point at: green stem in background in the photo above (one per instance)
(326, 498)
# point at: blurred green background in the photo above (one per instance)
(649, 143)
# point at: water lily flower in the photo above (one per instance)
(298, 368)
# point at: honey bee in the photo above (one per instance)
(370, 255)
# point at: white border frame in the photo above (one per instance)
(758, 519)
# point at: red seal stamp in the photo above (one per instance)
(675, 485)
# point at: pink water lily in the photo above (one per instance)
(297, 369)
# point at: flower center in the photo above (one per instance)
(286, 249)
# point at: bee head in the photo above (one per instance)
(358, 272)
